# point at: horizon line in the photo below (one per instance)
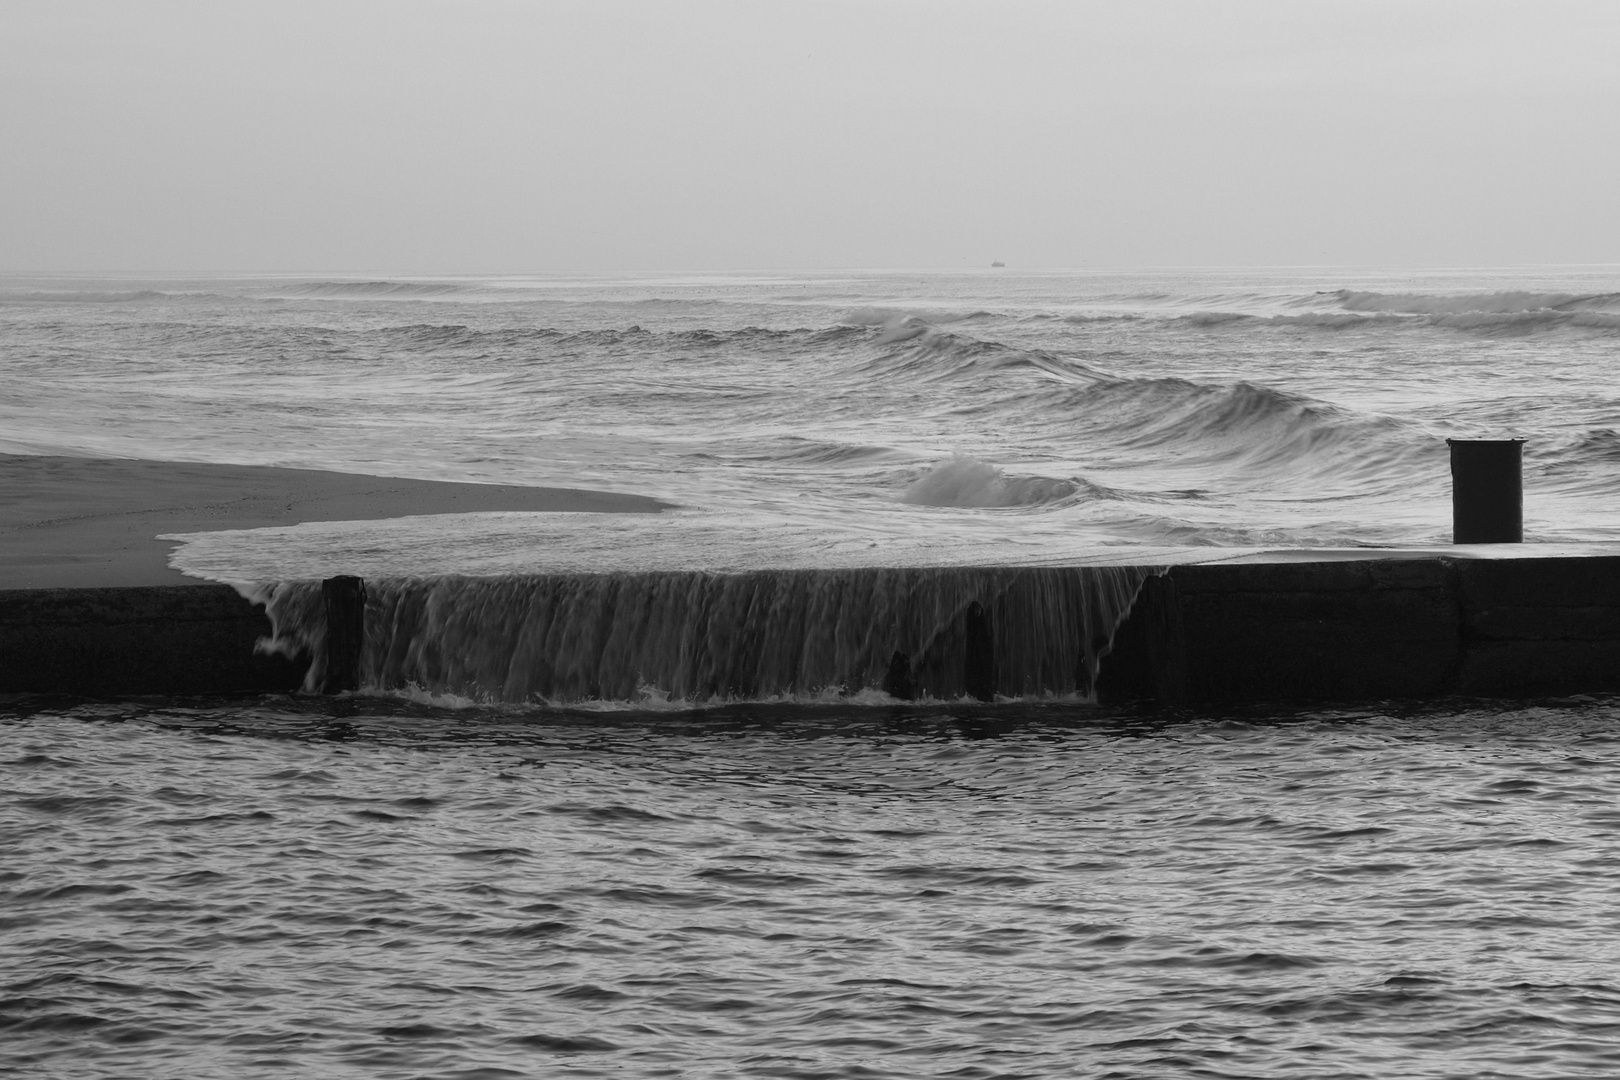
(377, 274)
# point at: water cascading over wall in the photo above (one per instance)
(700, 636)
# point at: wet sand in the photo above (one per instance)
(70, 522)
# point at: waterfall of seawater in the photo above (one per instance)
(697, 637)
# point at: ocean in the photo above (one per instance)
(817, 420)
(433, 881)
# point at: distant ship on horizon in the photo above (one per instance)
(996, 264)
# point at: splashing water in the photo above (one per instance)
(698, 637)
(966, 481)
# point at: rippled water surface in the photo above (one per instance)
(372, 888)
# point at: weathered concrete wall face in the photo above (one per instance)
(1367, 630)
(1286, 631)
(156, 640)
(1539, 626)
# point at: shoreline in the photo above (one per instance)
(80, 522)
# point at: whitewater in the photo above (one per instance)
(815, 420)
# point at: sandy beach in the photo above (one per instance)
(71, 522)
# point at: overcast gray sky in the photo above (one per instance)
(513, 135)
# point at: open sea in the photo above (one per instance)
(435, 882)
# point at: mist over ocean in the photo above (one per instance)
(847, 886)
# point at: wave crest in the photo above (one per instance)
(964, 480)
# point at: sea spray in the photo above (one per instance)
(297, 614)
(700, 637)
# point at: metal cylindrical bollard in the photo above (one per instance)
(1487, 491)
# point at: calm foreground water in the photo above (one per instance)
(372, 888)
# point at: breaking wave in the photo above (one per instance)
(1157, 409)
(963, 480)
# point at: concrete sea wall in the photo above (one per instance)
(187, 639)
(1365, 630)
(1198, 634)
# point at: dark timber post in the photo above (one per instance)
(897, 681)
(979, 663)
(1487, 491)
(345, 599)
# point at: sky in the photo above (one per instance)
(512, 136)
